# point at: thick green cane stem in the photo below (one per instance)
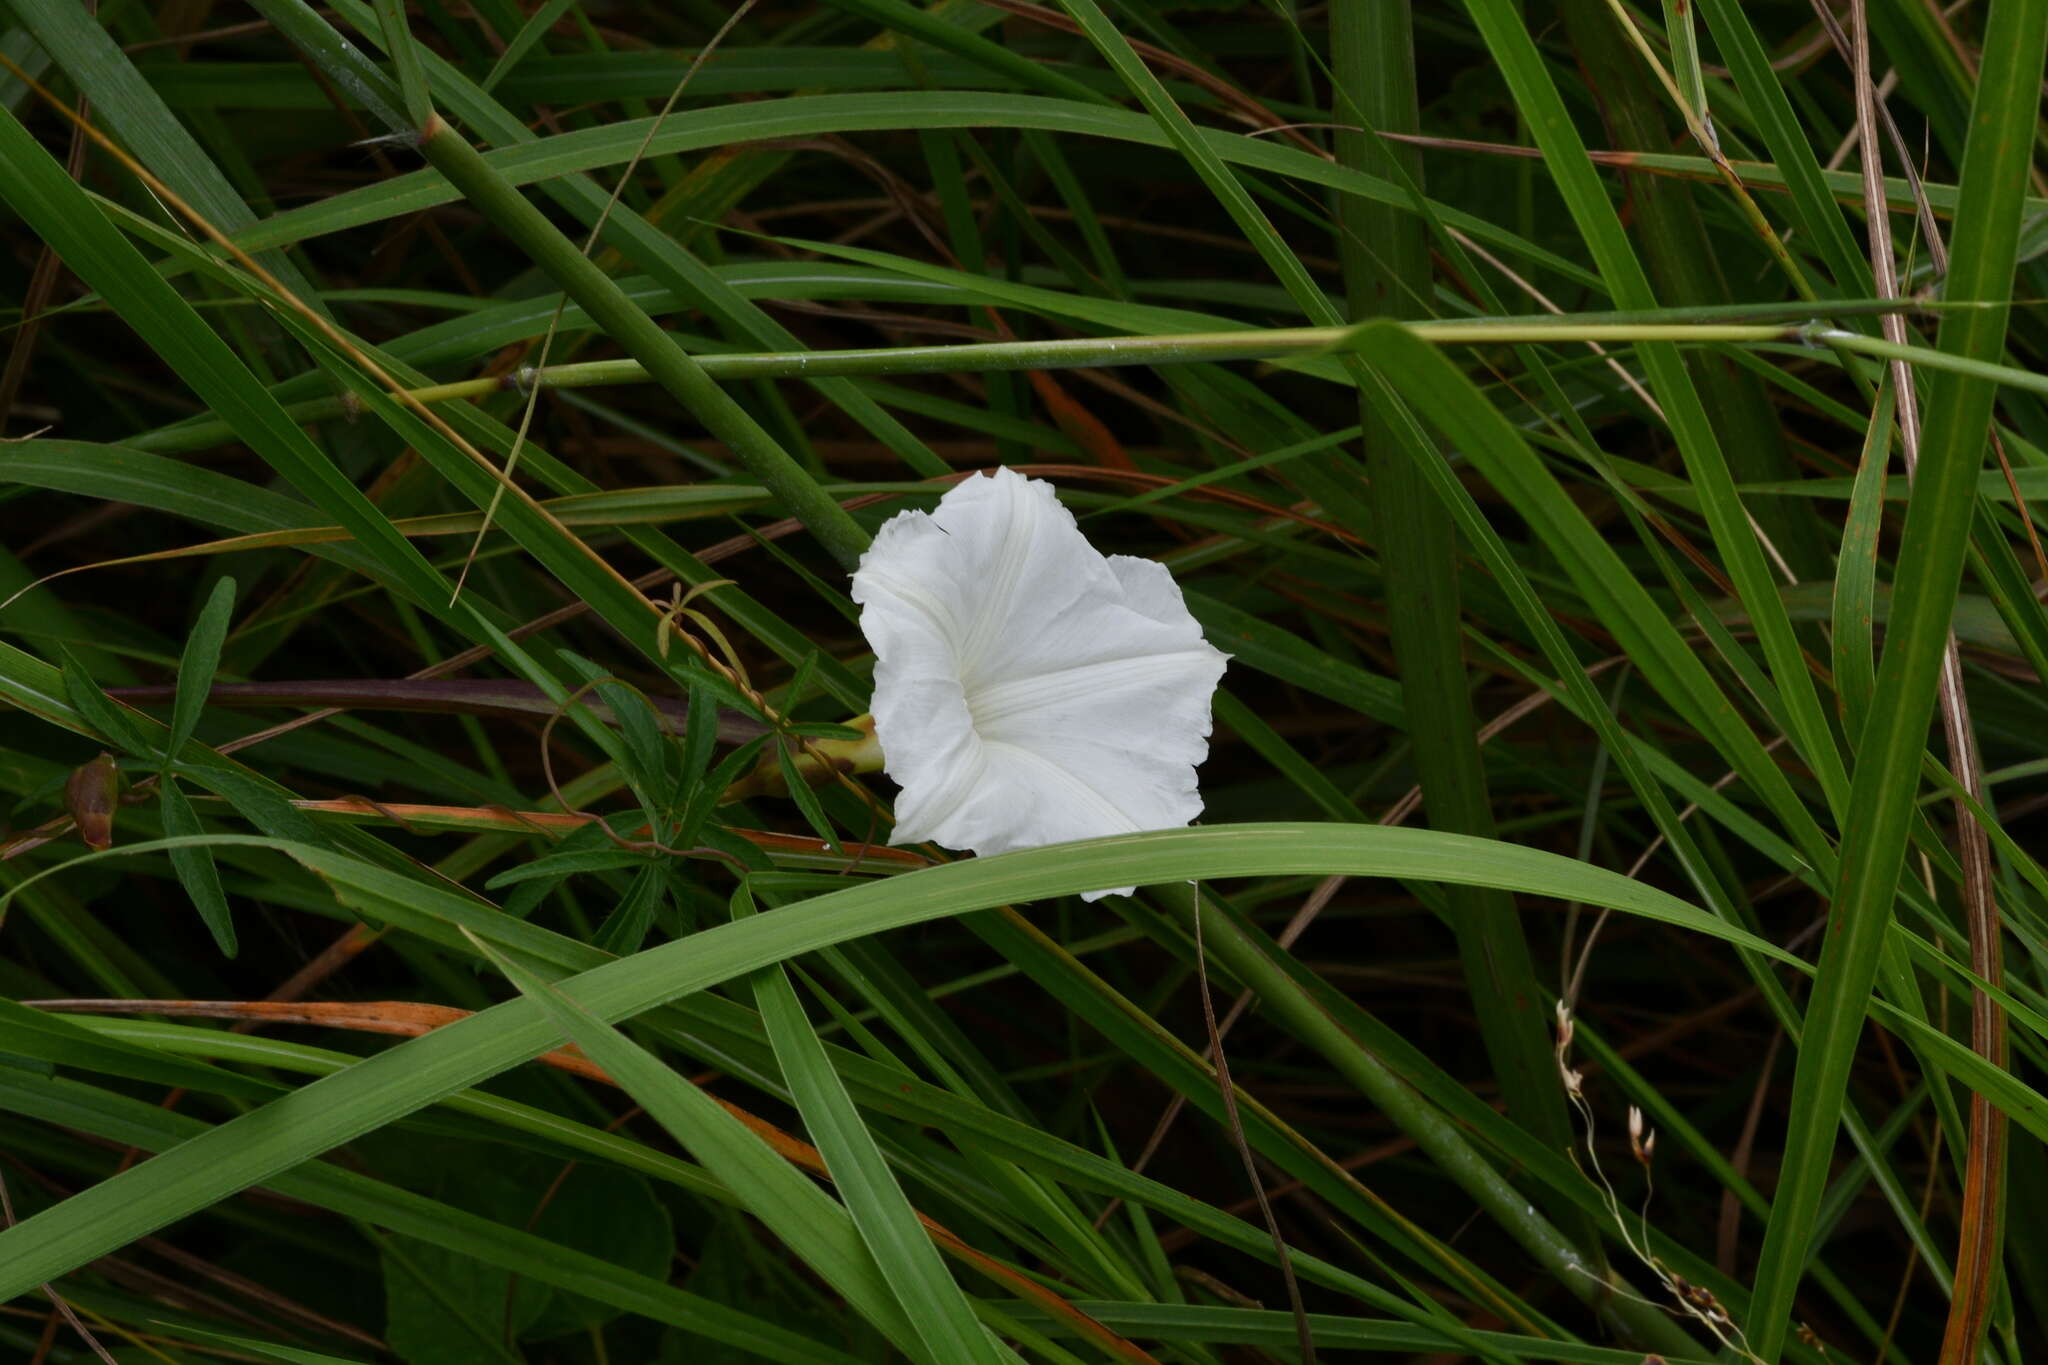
(665, 362)
(1385, 255)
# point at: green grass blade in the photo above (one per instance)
(136, 1123)
(1385, 254)
(1929, 568)
(42, 193)
(665, 360)
(339, 1107)
(902, 1249)
(405, 61)
(794, 1208)
(124, 101)
(1503, 27)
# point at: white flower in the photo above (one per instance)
(1029, 690)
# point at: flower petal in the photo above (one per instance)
(1028, 690)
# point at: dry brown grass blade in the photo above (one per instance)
(410, 1019)
(555, 824)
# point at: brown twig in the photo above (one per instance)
(1227, 1087)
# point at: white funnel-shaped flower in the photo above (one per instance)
(1029, 690)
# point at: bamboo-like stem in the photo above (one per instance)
(1385, 255)
(1274, 344)
(659, 355)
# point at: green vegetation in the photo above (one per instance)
(445, 918)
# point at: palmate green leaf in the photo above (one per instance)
(645, 750)
(444, 1307)
(625, 928)
(107, 719)
(337, 1108)
(195, 866)
(196, 665)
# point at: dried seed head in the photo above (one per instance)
(1699, 1299)
(1642, 1144)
